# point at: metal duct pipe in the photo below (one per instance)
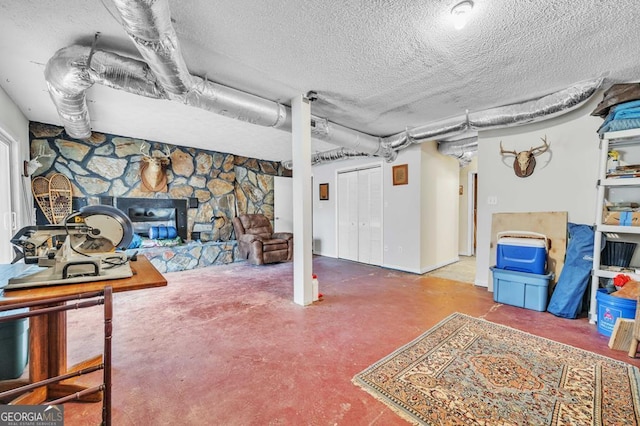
(74, 69)
(462, 149)
(429, 132)
(148, 24)
(332, 155)
(531, 111)
(236, 104)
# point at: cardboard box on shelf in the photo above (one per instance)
(620, 218)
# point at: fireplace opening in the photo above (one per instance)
(144, 219)
(146, 213)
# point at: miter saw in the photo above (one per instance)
(81, 249)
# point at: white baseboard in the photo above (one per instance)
(401, 268)
(439, 265)
(325, 254)
(482, 283)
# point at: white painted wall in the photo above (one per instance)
(439, 208)
(465, 218)
(402, 214)
(419, 219)
(325, 225)
(14, 130)
(564, 178)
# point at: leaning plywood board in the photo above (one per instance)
(551, 224)
(622, 336)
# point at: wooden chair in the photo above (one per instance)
(633, 349)
(66, 303)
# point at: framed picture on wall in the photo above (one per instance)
(324, 191)
(401, 174)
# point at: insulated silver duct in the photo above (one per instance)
(429, 132)
(148, 24)
(543, 108)
(338, 154)
(462, 149)
(538, 109)
(530, 111)
(74, 69)
(236, 104)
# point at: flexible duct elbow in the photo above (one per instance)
(74, 69)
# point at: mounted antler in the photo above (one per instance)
(542, 148)
(525, 161)
(503, 152)
(153, 173)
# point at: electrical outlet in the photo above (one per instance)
(492, 200)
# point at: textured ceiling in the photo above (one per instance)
(378, 66)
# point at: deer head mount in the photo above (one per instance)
(153, 171)
(525, 161)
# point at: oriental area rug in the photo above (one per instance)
(468, 371)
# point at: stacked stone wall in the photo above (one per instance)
(108, 165)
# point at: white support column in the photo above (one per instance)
(302, 238)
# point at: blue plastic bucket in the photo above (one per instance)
(610, 308)
(162, 232)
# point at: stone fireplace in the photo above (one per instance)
(205, 190)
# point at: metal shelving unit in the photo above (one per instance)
(624, 138)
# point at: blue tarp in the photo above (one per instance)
(566, 300)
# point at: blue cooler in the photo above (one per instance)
(522, 254)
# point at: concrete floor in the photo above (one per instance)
(225, 345)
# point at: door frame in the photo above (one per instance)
(472, 212)
(10, 209)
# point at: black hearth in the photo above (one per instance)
(147, 212)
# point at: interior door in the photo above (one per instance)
(282, 204)
(360, 215)
(348, 216)
(374, 207)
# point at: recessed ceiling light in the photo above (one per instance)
(460, 14)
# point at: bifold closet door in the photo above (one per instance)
(348, 216)
(370, 216)
(360, 215)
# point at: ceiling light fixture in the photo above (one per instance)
(460, 14)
